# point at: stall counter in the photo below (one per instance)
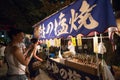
(61, 71)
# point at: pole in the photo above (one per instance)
(96, 52)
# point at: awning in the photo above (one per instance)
(80, 17)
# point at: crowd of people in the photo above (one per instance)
(19, 57)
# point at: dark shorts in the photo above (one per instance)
(33, 73)
(16, 77)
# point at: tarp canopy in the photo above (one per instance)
(80, 17)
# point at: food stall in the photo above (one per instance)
(84, 17)
(68, 70)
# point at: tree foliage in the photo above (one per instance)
(25, 13)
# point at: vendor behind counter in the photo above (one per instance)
(71, 47)
(53, 51)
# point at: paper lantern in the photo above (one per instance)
(95, 44)
(79, 40)
(73, 41)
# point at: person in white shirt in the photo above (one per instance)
(2, 48)
(14, 54)
(71, 47)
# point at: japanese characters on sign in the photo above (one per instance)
(63, 72)
(83, 17)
